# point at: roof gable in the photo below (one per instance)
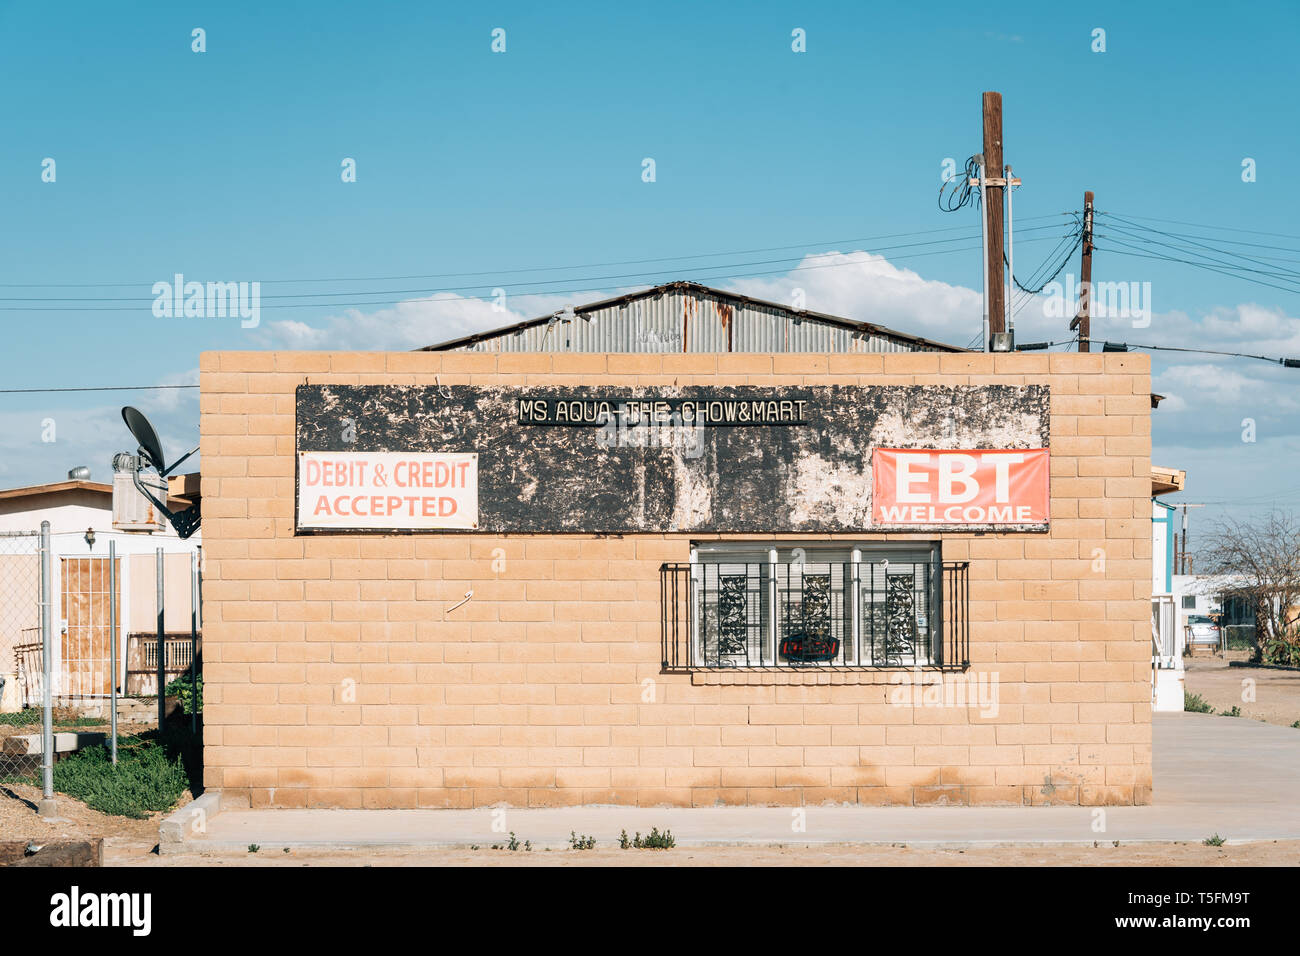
(693, 290)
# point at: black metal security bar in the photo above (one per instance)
(841, 615)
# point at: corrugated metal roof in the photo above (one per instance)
(688, 317)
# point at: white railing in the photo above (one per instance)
(1166, 649)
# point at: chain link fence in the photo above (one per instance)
(1239, 637)
(95, 652)
(21, 680)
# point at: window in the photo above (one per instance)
(814, 605)
(1189, 602)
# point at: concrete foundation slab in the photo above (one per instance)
(29, 745)
(1237, 778)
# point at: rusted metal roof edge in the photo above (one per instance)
(55, 487)
(838, 320)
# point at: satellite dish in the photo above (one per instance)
(145, 436)
(151, 456)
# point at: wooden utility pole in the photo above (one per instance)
(996, 278)
(1183, 562)
(1082, 320)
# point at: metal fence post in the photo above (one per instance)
(112, 644)
(194, 639)
(162, 649)
(46, 806)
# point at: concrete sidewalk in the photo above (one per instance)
(1234, 777)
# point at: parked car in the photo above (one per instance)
(1202, 629)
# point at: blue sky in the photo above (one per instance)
(225, 165)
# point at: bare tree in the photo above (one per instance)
(1259, 559)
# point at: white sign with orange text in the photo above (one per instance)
(387, 490)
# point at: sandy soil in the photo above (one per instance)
(1277, 693)
(133, 843)
(1283, 853)
(19, 821)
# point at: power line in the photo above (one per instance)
(1220, 239)
(1078, 237)
(326, 295)
(1024, 298)
(91, 388)
(963, 193)
(1185, 242)
(590, 281)
(1267, 496)
(1194, 263)
(498, 272)
(1027, 295)
(1125, 346)
(1203, 260)
(1201, 225)
(1041, 346)
(302, 295)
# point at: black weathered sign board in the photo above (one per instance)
(807, 469)
(705, 411)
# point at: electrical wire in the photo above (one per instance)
(1184, 244)
(425, 291)
(1040, 346)
(1233, 268)
(1191, 250)
(444, 293)
(1078, 238)
(1190, 262)
(1026, 295)
(1177, 348)
(1126, 346)
(91, 388)
(954, 195)
(500, 272)
(963, 193)
(1201, 225)
(1218, 239)
(591, 279)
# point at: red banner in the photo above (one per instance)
(918, 486)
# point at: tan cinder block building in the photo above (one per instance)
(721, 620)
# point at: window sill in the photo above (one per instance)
(803, 676)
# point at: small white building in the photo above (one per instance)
(1195, 594)
(81, 517)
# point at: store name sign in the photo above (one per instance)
(343, 490)
(628, 413)
(960, 487)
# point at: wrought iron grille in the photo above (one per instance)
(841, 615)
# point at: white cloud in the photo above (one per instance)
(869, 288)
(1197, 427)
(1214, 385)
(91, 434)
(415, 323)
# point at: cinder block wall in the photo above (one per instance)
(334, 678)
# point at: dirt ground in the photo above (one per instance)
(1276, 692)
(19, 821)
(1282, 853)
(134, 843)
